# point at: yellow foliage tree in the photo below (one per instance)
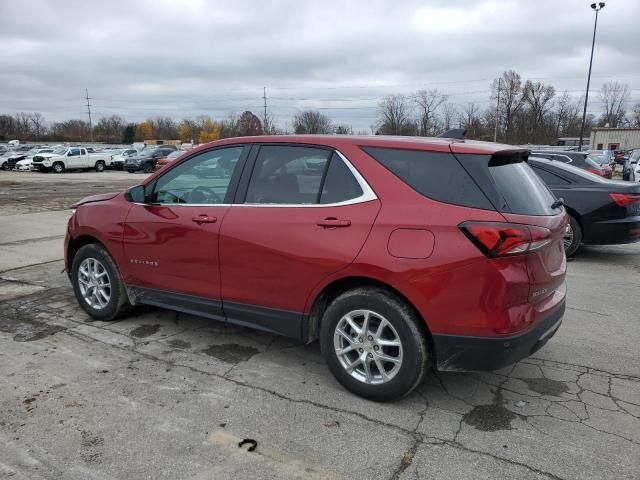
(145, 130)
(210, 130)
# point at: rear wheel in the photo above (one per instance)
(572, 237)
(97, 283)
(147, 168)
(374, 344)
(58, 167)
(99, 166)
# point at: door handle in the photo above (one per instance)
(204, 219)
(333, 222)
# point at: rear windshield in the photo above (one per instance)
(523, 191)
(437, 175)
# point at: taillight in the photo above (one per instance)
(597, 171)
(625, 199)
(504, 239)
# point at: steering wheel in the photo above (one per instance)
(203, 194)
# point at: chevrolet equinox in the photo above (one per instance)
(395, 253)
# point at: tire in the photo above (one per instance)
(403, 326)
(97, 306)
(147, 168)
(573, 237)
(4, 166)
(131, 171)
(58, 167)
(99, 166)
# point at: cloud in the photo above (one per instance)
(186, 58)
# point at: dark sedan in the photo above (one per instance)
(577, 159)
(602, 212)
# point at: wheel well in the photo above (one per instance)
(76, 244)
(338, 287)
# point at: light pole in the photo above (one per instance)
(597, 8)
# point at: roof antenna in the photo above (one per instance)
(455, 133)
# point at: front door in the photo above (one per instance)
(171, 241)
(75, 159)
(304, 214)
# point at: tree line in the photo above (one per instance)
(520, 111)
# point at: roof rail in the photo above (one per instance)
(455, 133)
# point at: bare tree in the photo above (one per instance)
(394, 116)
(428, 102)
(343, 129)
(311, 121)
(537, 96)
(634, 119)
(510, 99)
(449, 113)
(38, 124)
(614, 98)
(471, 121)
(109, 129)
(23, 128)
(249, 125)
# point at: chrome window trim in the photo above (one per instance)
(367, 195)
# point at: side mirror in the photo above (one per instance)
(136, 194)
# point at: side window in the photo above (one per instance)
(287, 175)
(549, 178)
(339, 183)
(74, 152)
(203, 179)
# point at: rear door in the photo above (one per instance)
(302, 213)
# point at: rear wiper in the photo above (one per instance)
(558, 203)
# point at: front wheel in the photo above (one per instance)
(572, 237)
(58, 167)
(374, 343)
(147, 168)
(97, 283)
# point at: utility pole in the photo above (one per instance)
(264, 119)
(597, 8)
(495, 131)
(87, 98)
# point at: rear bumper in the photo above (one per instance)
(611, 232)
(464, 353)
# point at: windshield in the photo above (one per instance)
(598, 158)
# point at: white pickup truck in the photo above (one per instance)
(73, 158)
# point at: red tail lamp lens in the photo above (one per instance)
(503, 239)
(625, 199)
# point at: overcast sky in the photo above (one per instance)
(184, 58)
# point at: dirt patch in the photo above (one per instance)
(231, 352)
(545, 386)
(144, 331)
(179, 344)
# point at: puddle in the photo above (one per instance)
(545, 386)
(231, 352)
(26, 329)
(144, 331)
(489, 418)
(180, 344)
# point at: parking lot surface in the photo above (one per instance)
(166, 395)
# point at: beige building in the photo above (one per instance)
(603, 138)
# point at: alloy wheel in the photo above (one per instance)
(568, 236)
(368, 347)
(94, 283)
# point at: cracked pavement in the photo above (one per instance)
(166, 395)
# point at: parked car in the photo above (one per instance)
(72, 158)
(26, 164)
(603, 157)
(629, 163)
(164, 161)
(396, 253)
(601, 211)
(577, 159)
(618, 156)
(18, 154)
(118, 157)
(146, 160)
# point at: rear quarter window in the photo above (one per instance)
(436, 175)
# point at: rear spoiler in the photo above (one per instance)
(504, 157)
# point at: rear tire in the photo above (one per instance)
(99, 166)
(92, 270)
(147, 168)
(394, 342)
(573, 237)
(58, 167)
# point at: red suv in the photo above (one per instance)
(394, 252)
